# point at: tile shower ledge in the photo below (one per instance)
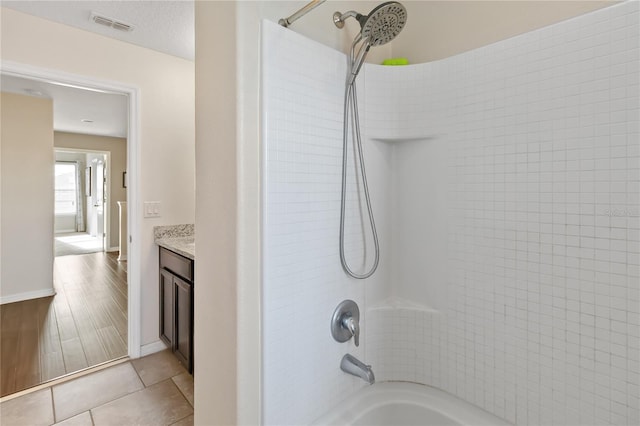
(179, 239)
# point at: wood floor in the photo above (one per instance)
(83, 325)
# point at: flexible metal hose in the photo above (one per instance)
(351, 105)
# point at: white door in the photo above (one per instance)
(100, 200)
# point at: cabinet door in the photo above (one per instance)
(182, 344)
(166, 307)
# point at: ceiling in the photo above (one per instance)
(107, 111)
(166, 26)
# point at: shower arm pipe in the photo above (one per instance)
(285, 22)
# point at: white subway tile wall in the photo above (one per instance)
(507, 191)
(303, 282)
(541, 321)
(403, 345)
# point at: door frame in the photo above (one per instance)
(133, 175)
(105, 182)
(107, 215)
(55, 188)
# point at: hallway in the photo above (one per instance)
(76, 243)
(83, 325)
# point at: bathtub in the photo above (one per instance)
(404, 404)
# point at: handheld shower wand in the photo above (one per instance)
(358, 61)
(381, 26)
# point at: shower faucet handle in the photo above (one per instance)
(354, 328)
(345, 322)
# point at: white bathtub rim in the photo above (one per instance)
(387, 393)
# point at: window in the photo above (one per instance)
(66, 188)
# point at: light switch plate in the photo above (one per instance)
(152, 209)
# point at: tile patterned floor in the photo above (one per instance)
(154, 390)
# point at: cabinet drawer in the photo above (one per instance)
(177, 264)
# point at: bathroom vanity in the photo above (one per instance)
(176, 305)
(176, 279)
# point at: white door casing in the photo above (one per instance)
(133, 167)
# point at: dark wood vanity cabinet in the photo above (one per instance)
(183, 332)
(166, 306)
(176, 305)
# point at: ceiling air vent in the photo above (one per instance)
(110, 22)
(121, 26)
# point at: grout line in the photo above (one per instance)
(39, 331)
(170, 379)
(66, 378)
(138, 374)
(55, 316)
(181, 419)
(144, 388)
(116, 398)
(53, 405)
(91, 417)
(176, 385)
(75, 323)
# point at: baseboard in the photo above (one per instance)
(112, 249)
(153, 347)
(27, 296)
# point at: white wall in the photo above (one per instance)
(537, 141)
(27, 198)
(166, 85)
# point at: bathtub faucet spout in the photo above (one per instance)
(354, 366)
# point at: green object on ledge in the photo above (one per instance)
(396, 61)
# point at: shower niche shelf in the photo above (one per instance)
(410, 138)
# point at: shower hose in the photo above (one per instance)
(351, 106)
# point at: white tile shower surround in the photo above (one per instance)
(506, 186)
(303, 280)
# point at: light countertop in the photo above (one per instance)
(178, 238)
(184, 246)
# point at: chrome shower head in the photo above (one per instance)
(381, 25)
(384, 23)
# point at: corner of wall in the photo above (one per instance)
(216, 334)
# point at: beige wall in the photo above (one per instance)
(26, 151)
(166, 122)
(439, 29)
(117, 147)
(216, 218)
(229, 128)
